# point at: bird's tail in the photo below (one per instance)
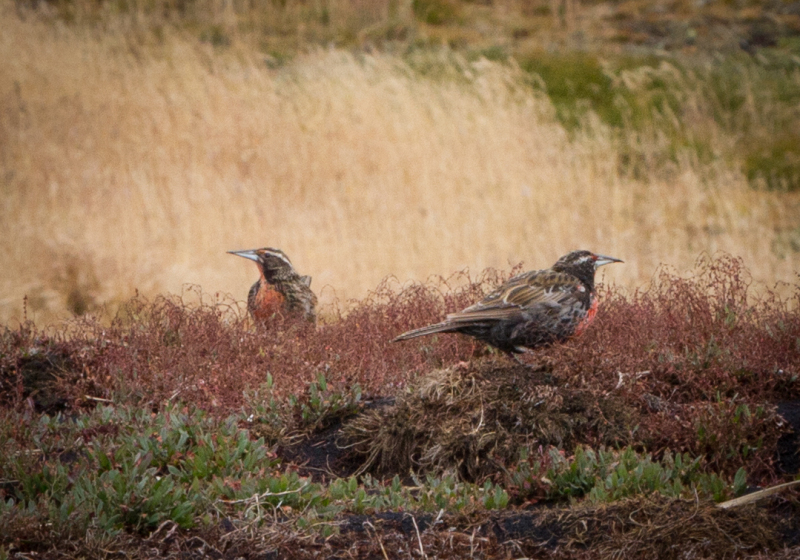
(430, 329)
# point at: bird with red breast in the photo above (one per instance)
(530, 310)
(279, 289)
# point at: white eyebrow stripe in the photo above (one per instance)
(280, 255)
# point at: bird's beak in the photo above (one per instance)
(602, 259)
(251, 254)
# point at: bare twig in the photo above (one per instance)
(172, 528)
(419, 538)
(472, 544)
(377, 537)
(637, 375)
(749, 498)
(258, 497)
(480, 423)
(98, 399)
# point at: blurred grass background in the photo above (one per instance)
(141, 140)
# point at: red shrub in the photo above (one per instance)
(681, 341)
(210, 353)
(697, 337)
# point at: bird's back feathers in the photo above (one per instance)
(531, 309)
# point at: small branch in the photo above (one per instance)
(168, 523)
(637, 375)
(472, 544)
(98, 399)
(419, 538)
(370, 525)
(480, 423)
(748, 498)
(258, 497)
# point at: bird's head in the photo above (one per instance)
(270, 261)
(583, 265)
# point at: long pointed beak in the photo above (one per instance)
(251, 254)
(602, 259)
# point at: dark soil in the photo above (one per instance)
(35, 375)
(320, 456)
(789, 444)
(401, 522)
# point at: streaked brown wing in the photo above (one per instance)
(535, 292)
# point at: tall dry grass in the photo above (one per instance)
(127, 167)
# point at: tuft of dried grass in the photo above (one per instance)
(651, 527)
(473, 419)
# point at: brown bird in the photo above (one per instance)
(531, 309)
(279, 288)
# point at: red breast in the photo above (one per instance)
(268, 302)
(588, 318)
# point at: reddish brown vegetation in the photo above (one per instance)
(696, 364)
(698, 338)
(209, 354)
(702, 358)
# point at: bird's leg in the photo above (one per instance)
(532, 366)
(517, 359)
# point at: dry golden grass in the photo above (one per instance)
(126, 167)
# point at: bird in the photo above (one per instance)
(532, 309)
(280, 288)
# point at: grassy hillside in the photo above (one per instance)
(133, 159)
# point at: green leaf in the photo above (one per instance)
(740, 482)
